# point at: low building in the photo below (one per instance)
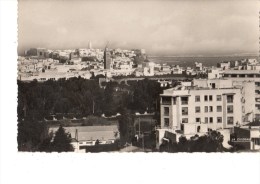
(225, 65)
(214, 73)
(84, 136)
(246, 137)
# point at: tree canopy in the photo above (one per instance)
(80, 97)
(61, 141)
(211, 142)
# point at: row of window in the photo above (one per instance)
(208, 98)
(242, 75)
(230, 120)
(185, 100)
(185, 110)
(209, 120)
(218, 98)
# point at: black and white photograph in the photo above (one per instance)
(138, 76)
(129, 91)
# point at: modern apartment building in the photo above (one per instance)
(207, 104)
(246, 76)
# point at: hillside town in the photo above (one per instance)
(191, 102)
(43, 64)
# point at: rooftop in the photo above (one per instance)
(184, 90)
(86, 133)
(241, 71)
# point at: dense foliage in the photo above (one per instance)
(85, 97)
(80, 97)
(59, 142)
(211, 142)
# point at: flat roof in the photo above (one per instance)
(241, 71)
(87, 133)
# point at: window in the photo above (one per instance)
(197, 120)
(219, 98)
(205, 98)
(206, 108)
(229, 98)
(211, 120)
(230, 120)
(243, 109)
(230, 109)
(197, 109)
(219, 108)
(184, 110)
(166, 111)
(210, 109)
(166, 100)
(197, 98)
(182, 127)
(198, 128)
(210, 98)
(219, 119)
(206, 120)
(184, 100)
(166, 122)
(184, 120)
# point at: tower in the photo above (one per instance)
(107, 59)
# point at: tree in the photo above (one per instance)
(126, 123)
(211, 142)
(97, 142)
(30, 135)
(61, 141)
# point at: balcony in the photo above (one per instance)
(166, 114)
(184, 102)
(166, 101)
(230, 98)
(230, 111)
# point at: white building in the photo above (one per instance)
(214, 73)
(238, 76)
(208, 104)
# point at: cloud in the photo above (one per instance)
(161, 27)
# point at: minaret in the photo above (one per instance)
(107, 58)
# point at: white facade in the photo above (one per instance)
(214, 73)
(209, 104)
(219, 108)
(246, 76)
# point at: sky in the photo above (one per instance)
(161, 27)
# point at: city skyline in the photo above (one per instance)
(152, 25)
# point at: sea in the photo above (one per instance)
(190, 61)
